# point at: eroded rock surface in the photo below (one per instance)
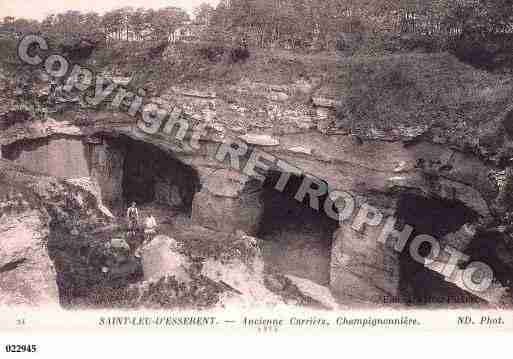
(161, 258)
(27, 276)
(30, 205)
(363, 270)
(446, 157)
(227, 202)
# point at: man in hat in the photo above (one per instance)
(132, 215)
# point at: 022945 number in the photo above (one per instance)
(16, 348)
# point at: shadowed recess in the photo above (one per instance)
(297, 238)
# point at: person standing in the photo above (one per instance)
(150, 228)
(132, 215)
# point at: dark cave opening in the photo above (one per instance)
(437, 218)
(152, 175)
(297, 238)
(138, 173)
(496, 250)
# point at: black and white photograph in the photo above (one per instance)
(262, 166)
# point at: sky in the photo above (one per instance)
(38, 9)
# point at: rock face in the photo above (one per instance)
(29, 204)
(227, 203)
(27, 276)
(260, 140)
(453, 159)
(71, 157)
(168, 194)
(362, 269)
(106, 164)
(110, 163)
(319, 293)
(160, 258)
(62, 157)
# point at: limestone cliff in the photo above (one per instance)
(449, 160)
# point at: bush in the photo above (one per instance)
(211, 52)
(389, 43)
(418, 42)
(489, 52)
(9, 53)
(415, 89)
(216, 53)
(239, 54)
(349, 42)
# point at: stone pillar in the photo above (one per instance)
(363, 271)
(107, 169)
(227, 202)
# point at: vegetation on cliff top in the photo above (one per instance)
(418, 90)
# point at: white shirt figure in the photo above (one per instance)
(150, 224)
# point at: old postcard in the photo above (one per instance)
(259, 166)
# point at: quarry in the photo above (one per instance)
(244, 212)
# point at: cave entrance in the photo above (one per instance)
(139, 179)
(154, 176)
(437, 218)
(297, 239)
(126, 170)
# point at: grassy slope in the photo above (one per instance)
(185, 66)
(417, 89)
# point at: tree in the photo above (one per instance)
(137, 23)
(203, 14)
(166, 21)
(91, 22)
(114, 23)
